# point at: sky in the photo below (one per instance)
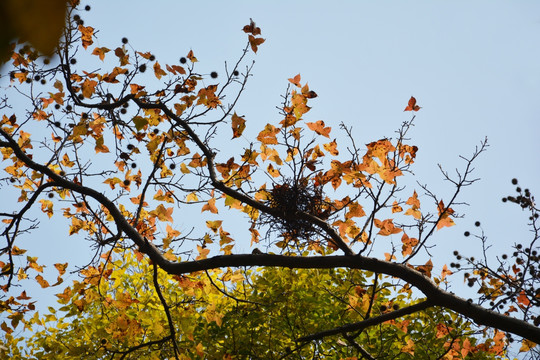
(474, 68)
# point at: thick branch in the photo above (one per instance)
(368, 322)
(435, 295)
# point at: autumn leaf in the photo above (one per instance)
(445, 272)
(408, 244)
(251, 28)
(255, 42)
(414, 210)
(88, 88)
(135, 88)
(23, 296)
(203, 252)
(238, 125)
(295, 80)
(409, 348)
(42, 282)
(100, 51)
(444, 216)
(191, 57)
(386, 227)
(167, 197)
(191, 197)
(210, 206)
(526, 345)
(175, 69)
(268, 135)
(411, 106)
(396, 208)
(426, 269)
(319, 128)
(522, 299)
(158, 71)
(140, 122)
(100, 147)
(355, 210)
(61, 268)
(122, 55)
(86, 35)
(162, 213)
(331, 147)
(214, 225)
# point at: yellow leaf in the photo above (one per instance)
(526, 345)
(162, 213)
(192, 197)
(214, 225)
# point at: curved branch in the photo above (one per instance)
(435, 295)
(368, 322)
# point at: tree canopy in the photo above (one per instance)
(126, 153)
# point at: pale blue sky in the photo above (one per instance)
(474, 67)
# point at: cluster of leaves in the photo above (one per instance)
(229, 314)
(124, 163)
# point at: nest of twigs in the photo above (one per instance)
(290, 198)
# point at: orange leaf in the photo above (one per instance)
(522, 299)
(252, 28)
(295, 80)
(158, 71)
(444, 216)
(331, 147)
(355, 210)
(268, 135)
(23, 296)
(203, 253)
(88, 87)
(387, 227)
(255, 42)
(413, 200)
(191, 57)
(408, 244)
(86, 35)
(122, 56)
(100, 51)
(210, 206)
(146, 55)
(426, 269)
(176, 69)
(319, 128)
(42, 281)
(445, 272)
(409, 348)
(162, 213)
(412, 105)
(214, 225)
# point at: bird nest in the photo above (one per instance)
(288, 200)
